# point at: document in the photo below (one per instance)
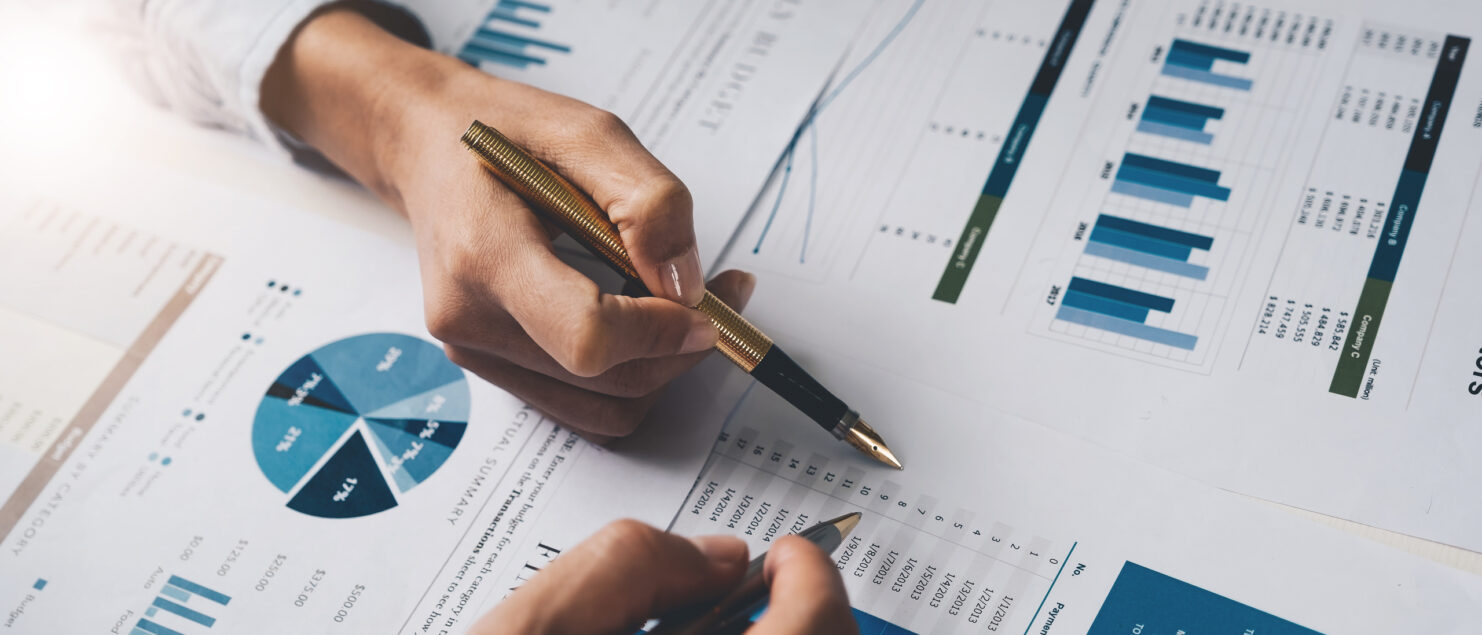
(1236, 240)
(201, 435)
(712, 88)
(998, 524)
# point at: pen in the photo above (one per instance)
(733, 613)
(744, 344)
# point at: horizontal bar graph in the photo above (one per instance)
(1167, 181)
(1148, 246)
(1195, 62)
(497, 41)
(172, 600)
(1177, 119)
(1119, 310)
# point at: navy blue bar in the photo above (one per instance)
(1175, 118)
(215, 596)
(1154, 231)
(1012, 152)
(1103, 306)
(1170, 167)
(146, 625)
(1152, 246)
(1217, 52)
(1173, 183)
(1208, 112)
(1422, 152)
(1186, 59)
(1121, 294)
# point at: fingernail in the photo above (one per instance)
(721, 549)
(701, 337)
(682, 279)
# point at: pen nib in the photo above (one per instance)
(866, 440)
(845, 523)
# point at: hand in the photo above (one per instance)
(390, 114)
(628, 573)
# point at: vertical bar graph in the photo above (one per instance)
(1119, 310)
(1148, 246)
(1167, 181)
(1177, 119)
(1196, 62)
(506, 37)
(172, 600)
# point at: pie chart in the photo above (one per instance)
(348, 429)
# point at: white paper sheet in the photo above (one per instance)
(283, 433)
(943, 202)
(712, 88)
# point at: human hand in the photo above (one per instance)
(628, 573)
(390, 114)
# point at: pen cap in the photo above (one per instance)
(551, 193)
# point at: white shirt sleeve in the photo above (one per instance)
(206, 59)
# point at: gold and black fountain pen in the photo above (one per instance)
(554, 196)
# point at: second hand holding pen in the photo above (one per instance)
(551, 194)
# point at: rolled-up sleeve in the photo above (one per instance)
(206, 60)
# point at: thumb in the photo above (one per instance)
(623, 575)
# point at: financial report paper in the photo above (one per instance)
(701, 83)
(1237, 240)
(251, 441)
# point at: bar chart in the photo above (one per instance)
(1149, 246)
(172, 600)
(507, 37)
(1178, 119)
(1120, 310)
(1169, 182)
(1145, 601)
(1200, 63)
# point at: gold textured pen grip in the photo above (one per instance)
(552, 194)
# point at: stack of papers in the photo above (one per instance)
(1095, 268)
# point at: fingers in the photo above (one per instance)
(617, 579)
(807, 594)
(495, 333)
(652, 209)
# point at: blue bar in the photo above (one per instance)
(486, 54)
(1165, 103)
(215, 596)
(40, 584)
(1151, 246)
(869, 624)
(499, 39)
(1176, 132)
(187, 613)
(496, 14)
(175, 592)
(1211, 78)
(1189, 60)
(1207, 50)
(1171, 167)
(1175, 118)
(1140, 259)
(1130, 329)
(138, 631)
(1121, 294)
(1152, 193)
(1143, 600)
(1104, 306)
(1202, 243)
(521, 4)
(150, 627)
(1173, 183)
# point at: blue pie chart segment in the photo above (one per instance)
(349, 485)
(380, 369)
(351, 426)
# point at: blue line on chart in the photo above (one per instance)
(808, 124)
(1052, 587)
(812, 194)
